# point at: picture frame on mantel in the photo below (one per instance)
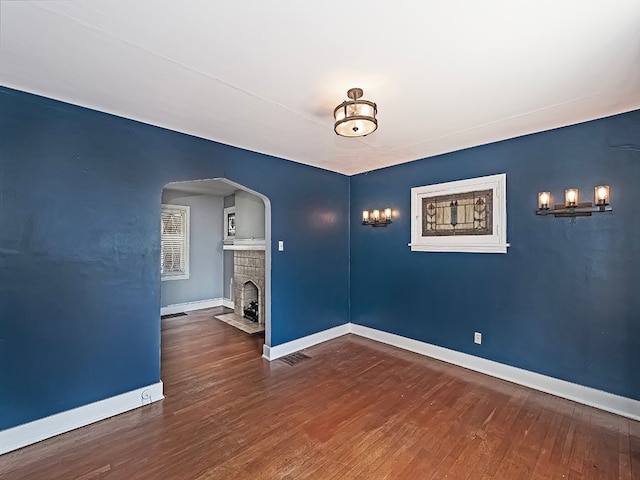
(461, 216)
(229, 224)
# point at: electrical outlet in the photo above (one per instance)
(477, 338)
(280, 246)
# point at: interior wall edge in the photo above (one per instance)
(190, 306)
(609, 402)
(277, 351)
(38, 430)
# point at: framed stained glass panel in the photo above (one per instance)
(468, 213)
(462, 216)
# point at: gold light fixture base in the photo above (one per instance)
(355, 93)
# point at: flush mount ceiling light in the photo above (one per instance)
(355, 118)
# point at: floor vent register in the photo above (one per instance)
(294, 358)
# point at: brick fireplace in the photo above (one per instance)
(248, 276)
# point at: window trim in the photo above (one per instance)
(186, 211)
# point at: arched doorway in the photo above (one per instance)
(241, 219)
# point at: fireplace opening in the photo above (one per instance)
(250, 301)
(248, 284)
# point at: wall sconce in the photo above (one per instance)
(373, 218)
(572, 206)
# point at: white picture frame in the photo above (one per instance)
(229, 224)
(495, 242)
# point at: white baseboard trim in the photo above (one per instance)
(627, 407)
(273, 353)
(32, 432)
(189, 306)
(227, 303)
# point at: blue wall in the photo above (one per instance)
(79, 248)
(562, 302)
(80, 195)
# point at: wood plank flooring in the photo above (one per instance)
(355, 410)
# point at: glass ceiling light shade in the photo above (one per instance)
(355, 117)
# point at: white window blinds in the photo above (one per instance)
(174, 245)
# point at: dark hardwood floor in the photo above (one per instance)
(354, 410)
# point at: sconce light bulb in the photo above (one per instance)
(544, 199)
(571, 197)
(602, 195)
(376, 215)
(365, 215)
(387, 214)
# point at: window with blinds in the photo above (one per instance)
(174, 244)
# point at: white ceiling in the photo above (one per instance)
(266, 75)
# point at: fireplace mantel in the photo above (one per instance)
(248, 244)
(244, 247)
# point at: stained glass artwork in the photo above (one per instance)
(468, 213)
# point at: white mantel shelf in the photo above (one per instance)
(246, 245)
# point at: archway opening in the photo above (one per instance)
(228, 224)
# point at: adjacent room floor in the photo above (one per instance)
(355, 409)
